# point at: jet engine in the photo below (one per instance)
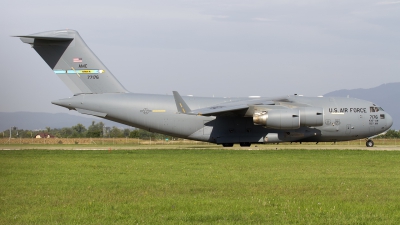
(289, 118)
(311, 116)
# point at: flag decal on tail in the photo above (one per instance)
(77, 60)
(79, 71)
(85, 71)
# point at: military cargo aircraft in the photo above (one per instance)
(226, 121)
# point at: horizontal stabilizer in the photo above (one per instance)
(29, 39)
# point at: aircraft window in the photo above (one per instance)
(376, 109)
(380, 108)
(371, 109)
(382, 116)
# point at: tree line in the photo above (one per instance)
(95, 130)
(390, 134)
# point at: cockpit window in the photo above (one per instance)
(375, 109)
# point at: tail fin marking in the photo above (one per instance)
(65, 50)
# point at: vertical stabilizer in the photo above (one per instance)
(73, 62)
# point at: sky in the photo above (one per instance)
(206, 48)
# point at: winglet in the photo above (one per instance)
(180, 104)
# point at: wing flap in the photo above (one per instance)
(217, 109)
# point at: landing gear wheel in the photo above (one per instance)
(227, 144)
(370, 143)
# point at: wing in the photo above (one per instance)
(241, 107)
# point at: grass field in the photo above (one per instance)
(200, 186)
(136, 141)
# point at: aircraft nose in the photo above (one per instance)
(389, 121)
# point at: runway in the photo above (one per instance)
(202, 146)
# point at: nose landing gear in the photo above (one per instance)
(369, 143)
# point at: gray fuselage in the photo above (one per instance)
(343, 118)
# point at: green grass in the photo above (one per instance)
(199, 186)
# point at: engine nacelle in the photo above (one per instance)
(311, 116)
(278, 118)
(290, 118)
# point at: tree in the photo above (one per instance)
(126, 132)
(391, 134)
(140, 133)
(95, 130)
(66, 132)
(79, 129)
(134, 134)
(116, 132)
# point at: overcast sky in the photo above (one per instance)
(204, 48)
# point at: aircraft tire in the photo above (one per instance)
(227, 144)
(370, 143)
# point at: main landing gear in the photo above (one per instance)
(369, 143)
(227, 144)
(242, 144)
